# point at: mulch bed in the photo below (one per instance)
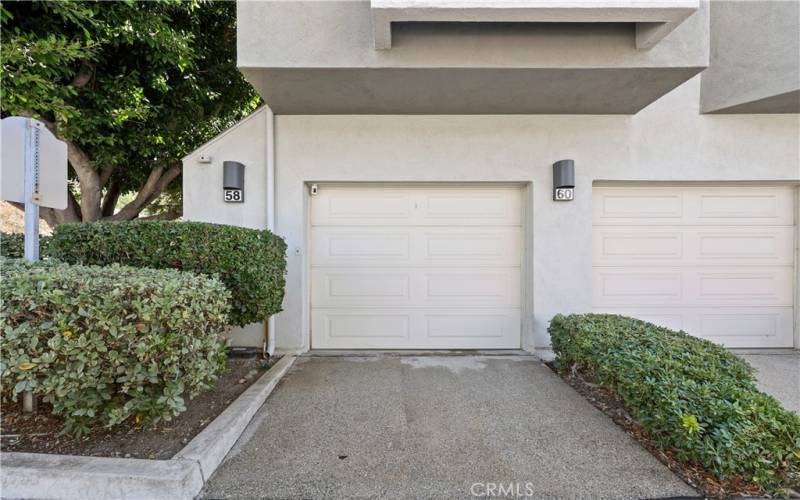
(697, 476)
(38, 432)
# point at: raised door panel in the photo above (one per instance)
(689, 287)
(415, 247)
(693, 246)
(416, 206)
(693, 205)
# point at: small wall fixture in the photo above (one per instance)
(564, 180)
(233, 182)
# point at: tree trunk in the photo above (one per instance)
(110, 200)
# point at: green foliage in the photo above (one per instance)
(105, 344)
(692, 396)
(12, 245)
(251, 263)
(136, 85)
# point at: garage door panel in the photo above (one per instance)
(386, 207)
(612, 287)
(687, 287)
(693, 205)
(716, 261)
(372, 328)
(679, 245)
(420, 328)
(773, 245)
(468, 246)
(350, 287)
(731, 327)
(482, 206)
(415, 267)
(415, 247)
(364, 207)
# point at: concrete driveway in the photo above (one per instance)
(778, 374)
(434, 426)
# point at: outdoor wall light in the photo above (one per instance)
(233, 182)
(564, 180)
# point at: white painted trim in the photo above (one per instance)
(797, 267)
(269, 116)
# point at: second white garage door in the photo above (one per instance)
(715, 261)
(415, 267)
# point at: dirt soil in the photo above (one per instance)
(38, 432)
(697, 476)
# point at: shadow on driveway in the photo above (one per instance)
(434, 426)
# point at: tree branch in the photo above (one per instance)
(105, 175)
(171, 214)
(110, 200)
(155, 184)
(84, 75)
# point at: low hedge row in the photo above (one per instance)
(691, 395)
(12, 245)
(104, 344)
(251, 263)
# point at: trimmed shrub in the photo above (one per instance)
(251, 263)
(691, 395)
(104, 344)
(12, 245)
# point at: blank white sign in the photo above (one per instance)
(52, 164)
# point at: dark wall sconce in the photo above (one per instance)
(564, 180)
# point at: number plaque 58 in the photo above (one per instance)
(233, 195)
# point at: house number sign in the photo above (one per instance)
(563, 194)
(233, 195)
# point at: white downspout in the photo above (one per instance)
(270, 117)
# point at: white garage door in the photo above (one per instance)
(415, 267)
(716, 262)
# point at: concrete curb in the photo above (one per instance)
(215, 441)
(39, 475)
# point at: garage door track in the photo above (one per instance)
(434, 426)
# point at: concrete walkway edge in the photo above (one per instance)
(39, 475)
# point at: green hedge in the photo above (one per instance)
(691, 395)
(104, 344)
(251, 263)
(12, 245)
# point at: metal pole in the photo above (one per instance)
(31, 216)
(31, 181)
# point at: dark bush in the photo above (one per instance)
(12, 245)
(104, 344)
(691, 395)
(250, 262)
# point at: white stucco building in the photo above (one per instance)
(406, 151)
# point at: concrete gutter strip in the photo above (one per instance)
(39, 475)
(215, 441)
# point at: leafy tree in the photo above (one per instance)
(130, 86)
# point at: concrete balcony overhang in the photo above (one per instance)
(319, 57)
(654, 19)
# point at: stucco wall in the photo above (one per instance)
(319, 57)
(755, 57)
(668, 141)
(246, 142)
